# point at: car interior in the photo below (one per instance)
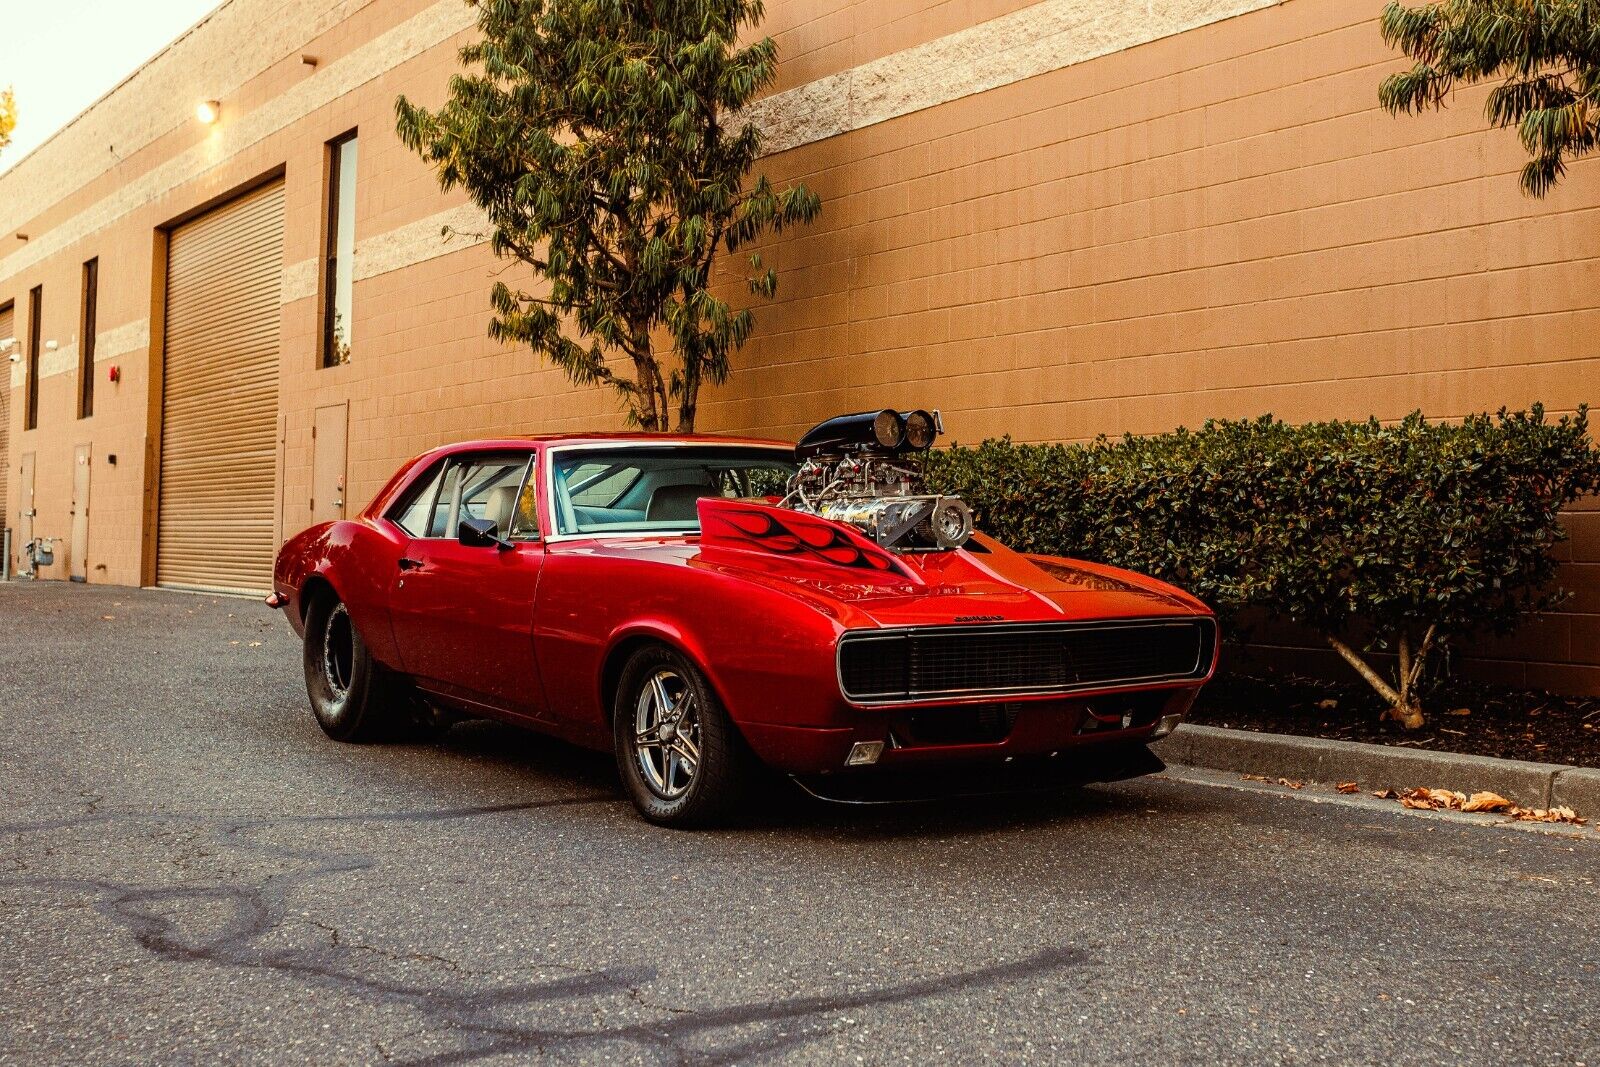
(640, 490)
(479, 487)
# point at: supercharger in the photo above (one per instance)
(860, 470)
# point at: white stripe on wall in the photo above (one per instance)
(1036, 40)
(112, 344)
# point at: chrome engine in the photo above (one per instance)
(860, 470)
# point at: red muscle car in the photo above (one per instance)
(704, 606)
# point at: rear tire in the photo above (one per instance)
(353, 698)
(682, 761)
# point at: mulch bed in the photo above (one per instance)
(1462, 716)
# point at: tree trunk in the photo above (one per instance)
(650, 400)
(1403, 707)
(690, 401)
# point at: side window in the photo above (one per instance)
(478, 487)
(414, 510)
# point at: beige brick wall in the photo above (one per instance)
(1133, 228)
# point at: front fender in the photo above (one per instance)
(770, 657)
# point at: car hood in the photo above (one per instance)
(984, 582)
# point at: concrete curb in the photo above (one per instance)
(1313, 759)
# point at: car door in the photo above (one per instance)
(463, 613)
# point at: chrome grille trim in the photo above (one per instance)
(1045, 650)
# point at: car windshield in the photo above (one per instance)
(654, 488)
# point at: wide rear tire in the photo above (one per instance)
(353, 698)
(682, 761)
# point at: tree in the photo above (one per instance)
(1546, 51)
(602, 139)
(8, 115)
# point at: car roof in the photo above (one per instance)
(622, 437)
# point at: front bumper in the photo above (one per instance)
(995, 732)
(1104, 762)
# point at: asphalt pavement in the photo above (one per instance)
(191, 872)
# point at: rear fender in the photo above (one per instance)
(356, 560)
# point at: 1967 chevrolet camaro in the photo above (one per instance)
(703, 606)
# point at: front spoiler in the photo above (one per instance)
(1046, 774)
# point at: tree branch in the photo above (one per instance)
(1372, 677)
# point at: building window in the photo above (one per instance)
(91, 297)
(30, 409)
(338, 256)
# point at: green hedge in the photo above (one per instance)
(1414, 533)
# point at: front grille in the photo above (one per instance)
(918, 664)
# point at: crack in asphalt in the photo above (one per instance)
(466, 1013)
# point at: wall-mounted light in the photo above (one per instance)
(308, 60)
(208, 111)
(114, 373)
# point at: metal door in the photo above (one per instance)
(328, 435)
(78, 550)
(25, 510)
(219, 449)
(8, 323)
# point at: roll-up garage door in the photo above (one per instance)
(220, 397)
(8, 323)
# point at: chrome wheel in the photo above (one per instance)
(666, 733)
(338, 652)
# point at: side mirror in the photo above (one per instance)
(480, 533)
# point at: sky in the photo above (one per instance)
(60, 56)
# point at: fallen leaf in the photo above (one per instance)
(1348, 787)
(1255, 778)
(255, 644)
(1432, 799)
(108, 617)
(1485, 801)
(1327, 705)
(1291, 783)
(1461, 711)
(1556, 814)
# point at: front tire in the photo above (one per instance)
(352, 697)
(681, 759)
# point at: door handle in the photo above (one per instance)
(409, 564)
